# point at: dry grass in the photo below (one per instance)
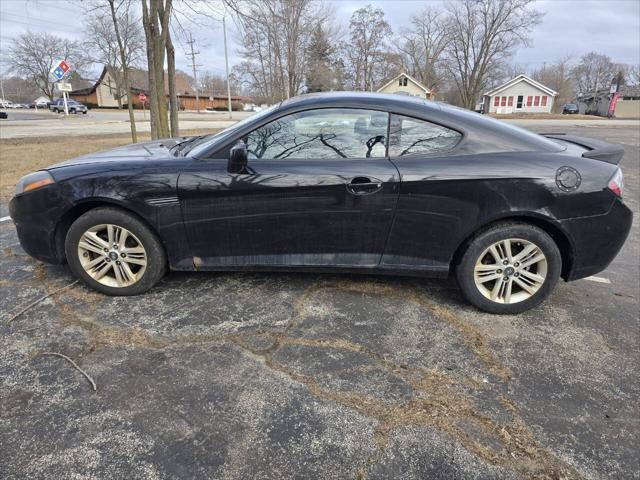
(19, 156)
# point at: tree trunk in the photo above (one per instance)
(173, 99)
(156, 44)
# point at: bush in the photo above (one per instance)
(235, 106)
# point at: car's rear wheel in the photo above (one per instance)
(509, 268)
(114, 252)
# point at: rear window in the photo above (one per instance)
(410, 136)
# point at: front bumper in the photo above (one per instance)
(36, 215)
(597, 240)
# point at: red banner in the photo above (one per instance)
(613, 103)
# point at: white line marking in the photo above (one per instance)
(598, 279)
(4, 219)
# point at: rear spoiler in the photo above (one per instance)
(596, 149)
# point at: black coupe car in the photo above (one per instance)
(350, 182)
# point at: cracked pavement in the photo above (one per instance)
(233, 376)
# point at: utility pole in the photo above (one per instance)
(226, 62)
(195, 71)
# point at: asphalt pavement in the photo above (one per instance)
(43, 123)
(262, 376)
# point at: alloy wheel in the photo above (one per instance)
(112, 255)
(510, 271)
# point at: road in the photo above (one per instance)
(264, 376)
(28, 123)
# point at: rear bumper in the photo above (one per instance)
(35, 215)
(597, 240)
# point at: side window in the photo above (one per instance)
(323, 133)
(410, 136)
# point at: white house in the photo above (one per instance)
(406, 85)
(519, 95)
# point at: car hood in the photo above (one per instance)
(152, 150)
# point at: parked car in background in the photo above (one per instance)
(6, 104)
(354, 182)
(40, 103)
(57, 106)
(570, 109)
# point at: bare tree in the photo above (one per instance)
(557, 76)
(215, 85)
(593, 72)
(634, 74)
(156, 17)
(369, 33)
(422, 46)
(102, 45)
(275, 39)
(129, 41)
(482, 35)
(34, 55)
(115, 38)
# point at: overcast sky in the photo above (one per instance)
(568, 28)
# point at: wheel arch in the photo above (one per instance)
(82, 207)
(546, 224)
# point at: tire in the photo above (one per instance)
(136, 271)
(73, 110)
(478, 266)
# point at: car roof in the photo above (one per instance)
(482, 132)
(366, 99)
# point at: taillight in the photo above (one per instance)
(616, 184)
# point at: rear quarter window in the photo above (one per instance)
(410, 136)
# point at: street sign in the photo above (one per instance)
(64, 87)
(142, 97)
(61, 69)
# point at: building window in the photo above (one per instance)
(402, 81)
(520, 101)
(529, 101)
(503, 102)
(511, 101)
(536, 101)
(543, 101)
(496, 101)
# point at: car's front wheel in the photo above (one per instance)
(114, 252)
(509, 268)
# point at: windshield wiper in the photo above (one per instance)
(180, 145)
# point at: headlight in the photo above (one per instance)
(33, 181)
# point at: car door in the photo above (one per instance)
(434, 194)
(319, 190)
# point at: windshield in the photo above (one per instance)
(203, 144)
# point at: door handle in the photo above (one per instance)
(364, 186)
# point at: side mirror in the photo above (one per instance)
(237, 158)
